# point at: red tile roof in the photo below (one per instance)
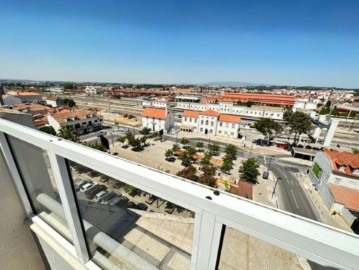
(155, 113)
(349, 160)
(14, 93)
(80, 114)
(229, 118)
(260, 98)
(346, 196)
(210, 113)
(193, 114)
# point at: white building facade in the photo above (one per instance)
(230, 108)
(210, 122)
(158, 119)
(83, 121)
(91, 90)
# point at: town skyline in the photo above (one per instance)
(270, 42)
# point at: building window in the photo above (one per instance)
(220, 131)
(232, 133)
(84, 123)
(227, 125)
(220, 124)
(195, 120)
(233, 125)
(210, 131)
(207, 122)
(211, 123)
(201, 130)
(185, 118)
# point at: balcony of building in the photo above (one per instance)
(161, 222)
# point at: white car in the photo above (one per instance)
(100, 195)
(88, 186)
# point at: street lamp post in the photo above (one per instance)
(113, 144)
(250, 152)
(275, 186)
(270, 162)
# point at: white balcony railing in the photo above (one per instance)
(314, 241)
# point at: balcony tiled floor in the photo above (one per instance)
(13, 230)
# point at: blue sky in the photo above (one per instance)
(306, 42)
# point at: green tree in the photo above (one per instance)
(145, 131)
(184, 141)
(48, 129)
(199, 144)
(299, 123)
(155, 134)
(191, 151)
(355, 150)
(122, 139)
(249, 169)
(231, 150)
(206, 161)
(227, 164)
(208, 176)
(175, 147)
(268, 127)
(185, 157)
(213, 147)
(69, 102)
(68, 85)
(168, 153)
(189, 173)
(68, 133)
(96, 145)
(143, 140)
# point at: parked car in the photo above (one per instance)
(186, 163)
(108, 197)
(90, 194)
(142, 206)
(114, 201)
(100, 195)
(87, 186)
(79, 184)
(171, 159)
(200, 150)
(186, 147)
(122, 201)
(131, 205)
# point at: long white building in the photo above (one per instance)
(230, 108)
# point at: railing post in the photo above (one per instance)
(68, 199)
(15, 174)
(206, 241)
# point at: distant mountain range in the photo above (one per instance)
(235, 84)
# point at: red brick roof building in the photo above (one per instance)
(266, 99)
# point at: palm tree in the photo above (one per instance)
(68, 133)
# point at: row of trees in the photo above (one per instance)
(206, 173)
(298, 122)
